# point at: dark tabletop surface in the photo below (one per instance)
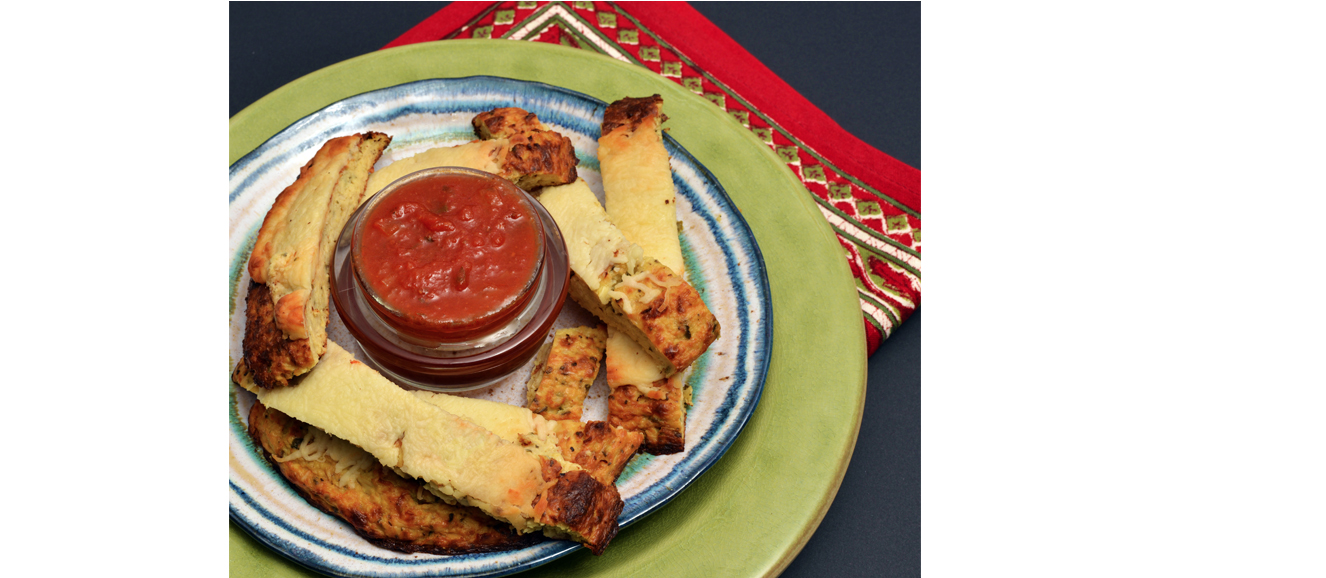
(858, 62)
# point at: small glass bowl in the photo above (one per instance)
(451, 361)
(441, 324)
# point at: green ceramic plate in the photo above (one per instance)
(764, 498)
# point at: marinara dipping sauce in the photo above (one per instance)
(449, 279)
(449, 257)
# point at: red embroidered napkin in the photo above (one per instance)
(872, 201)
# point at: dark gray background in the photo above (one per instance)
(858, 62)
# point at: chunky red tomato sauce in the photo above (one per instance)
(452, 255)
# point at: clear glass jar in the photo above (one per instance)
(427, 347)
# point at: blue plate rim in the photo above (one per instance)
(763, 342)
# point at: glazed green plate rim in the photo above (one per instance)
(764, 498)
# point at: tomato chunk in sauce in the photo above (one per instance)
(452, 255)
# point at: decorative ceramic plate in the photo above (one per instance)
(758, 504)
(723, 263)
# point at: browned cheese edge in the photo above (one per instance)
(632, 112)
(381, 499)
